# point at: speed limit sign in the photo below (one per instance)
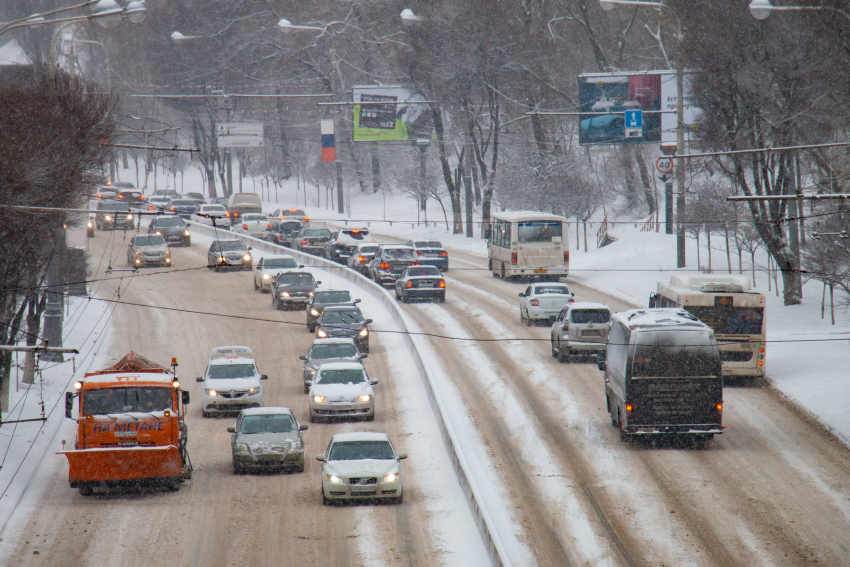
(664, 164)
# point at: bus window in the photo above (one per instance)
(728, 319)
(538, 231)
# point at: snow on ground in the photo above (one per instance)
(25, 446)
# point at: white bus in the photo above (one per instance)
(528, 244)
(728, 305)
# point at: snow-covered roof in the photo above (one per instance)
(588, 305)
(129, 378)
(360, 436)
(12, 53)
(333, 341)
(231, 351)
(527, 216)
(341, 366)
(279, 257)
(343, 307)
(711, 282)
(266, 411)
(659, 317)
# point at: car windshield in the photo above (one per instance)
(293, 213)
(267, 423)
(341, 317)
(122, 400)
(149, 241)
(356, 234)
(368, 249)
(546, 289)
(183, 203)
(326, 297)
(232, 245)
(538, 231)
(428, 244)
(430, 271)
(346, 376)
(675, 354)
(280, 263)
(590, 316)
(296, 279)
(316, 232)
(177, 221)
(115, 207)
(399, 253)
(290, 226)
(357, 450)
(323, 352)
(221, 371)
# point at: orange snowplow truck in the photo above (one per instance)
(130, 427)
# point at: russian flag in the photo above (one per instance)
(328, 143)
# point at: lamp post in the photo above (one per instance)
(761, 9)
(106, 53)
(680, 126)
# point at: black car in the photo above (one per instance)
(293, 288)
(312, 241)
(343, 243)
(113, 215)
(322, 299)
(345, 321)
(172, 229)
(183, 208)
(284, 233)
(418, 282)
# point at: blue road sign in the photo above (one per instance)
(634, 119)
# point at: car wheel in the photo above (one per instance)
(205, 414)
(188, 243)
(216, 268)
(399, 500)
(528, 320)
(311, 329)
(306, 389)
(325, 500)
(299, 468)
(503, 271)
(403, 298)
(521, 316)
(554, 350)
(313, 419)
(256, 287)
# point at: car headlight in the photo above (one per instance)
(322, 333)
(247, 257)
(221, 258)
(284, 294)
(314, 313)
(365, 398)
(167, 259)
(312, 371)
(392, 477)
(319, 399)
(186, 233)
(241, 447)
(310, 294)
(90, 224)
(364, 332)
(212, 393)
(107, 217)
(138, 253)
(254, 390)
(158, 233)
(129, 217)
(335, 479)
(267, 276)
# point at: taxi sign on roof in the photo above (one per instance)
(226, 351)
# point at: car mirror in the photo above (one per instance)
(69, 403)
(308, 382)
(356, 301)
(231, 430)
(250, 248)
(199, 379)
(264, 377)
(184, 397)
(368, 321)
(303, 427)
(259, 268)
(300, 266)
(402, 456)
(373, 381)
(318, 283)
(521, 294)
(320, 458)
(302, 357)
(364, 355)
(600, 359)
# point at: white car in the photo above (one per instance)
(158, 202)
(581, 328)
(291, 213)
(252, 224)
(341, 389)
(361, 465)
(269, 267)
(543, 302)
(231, 382)
(206, 213)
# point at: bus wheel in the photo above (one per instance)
(503, 271)
(611, 413)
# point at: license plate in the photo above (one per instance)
(370, 488)
(540, 271)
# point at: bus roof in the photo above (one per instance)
(523, 216)
(655, 318)
(712, 283)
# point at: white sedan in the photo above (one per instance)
(206, 213)
(269, 267)
(253, 224)
(341, 390)
(543, 302)
(361, 466)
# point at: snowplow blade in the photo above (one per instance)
(123, 464)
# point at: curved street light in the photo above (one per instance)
(761, 9)
(408, 18)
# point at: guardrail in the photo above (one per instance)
(480, 512)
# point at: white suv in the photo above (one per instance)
(232, 381)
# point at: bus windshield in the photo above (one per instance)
(538, 231)
(675, 354)
(728, 319)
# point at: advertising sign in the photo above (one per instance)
(383, 114)
(239, 134)
(606, 97)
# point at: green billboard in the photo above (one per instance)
(388, 114)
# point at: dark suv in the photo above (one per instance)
(312, 241)
(172, 229)
(112, 215)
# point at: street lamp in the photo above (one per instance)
(106, 52)
(761, 9)
(408, 18)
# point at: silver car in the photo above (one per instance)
(361, 466)
(580, 329)
(229, 254)
(342, 390)
(145, 250)
(265, 438)
(324, 351)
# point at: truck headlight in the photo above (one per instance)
(365, 398)
(364, 332)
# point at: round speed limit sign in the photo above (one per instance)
(664, 164)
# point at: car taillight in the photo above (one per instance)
(444, 253)
(245, 226)
(361, 259)
(535, 302)
(566, 256)
(408, 284)
(384, 266)
(172, 208)
(629, 412)
(418, 253)
(513, 257)
(719, 411)
(306, 218)
(268, 225)
(442, 283)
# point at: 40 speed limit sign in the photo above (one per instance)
(664, 164)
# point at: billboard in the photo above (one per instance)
(607, 96)
(384, 114)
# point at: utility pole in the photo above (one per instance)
(55, 298)
(5, 384)
(680, 148)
